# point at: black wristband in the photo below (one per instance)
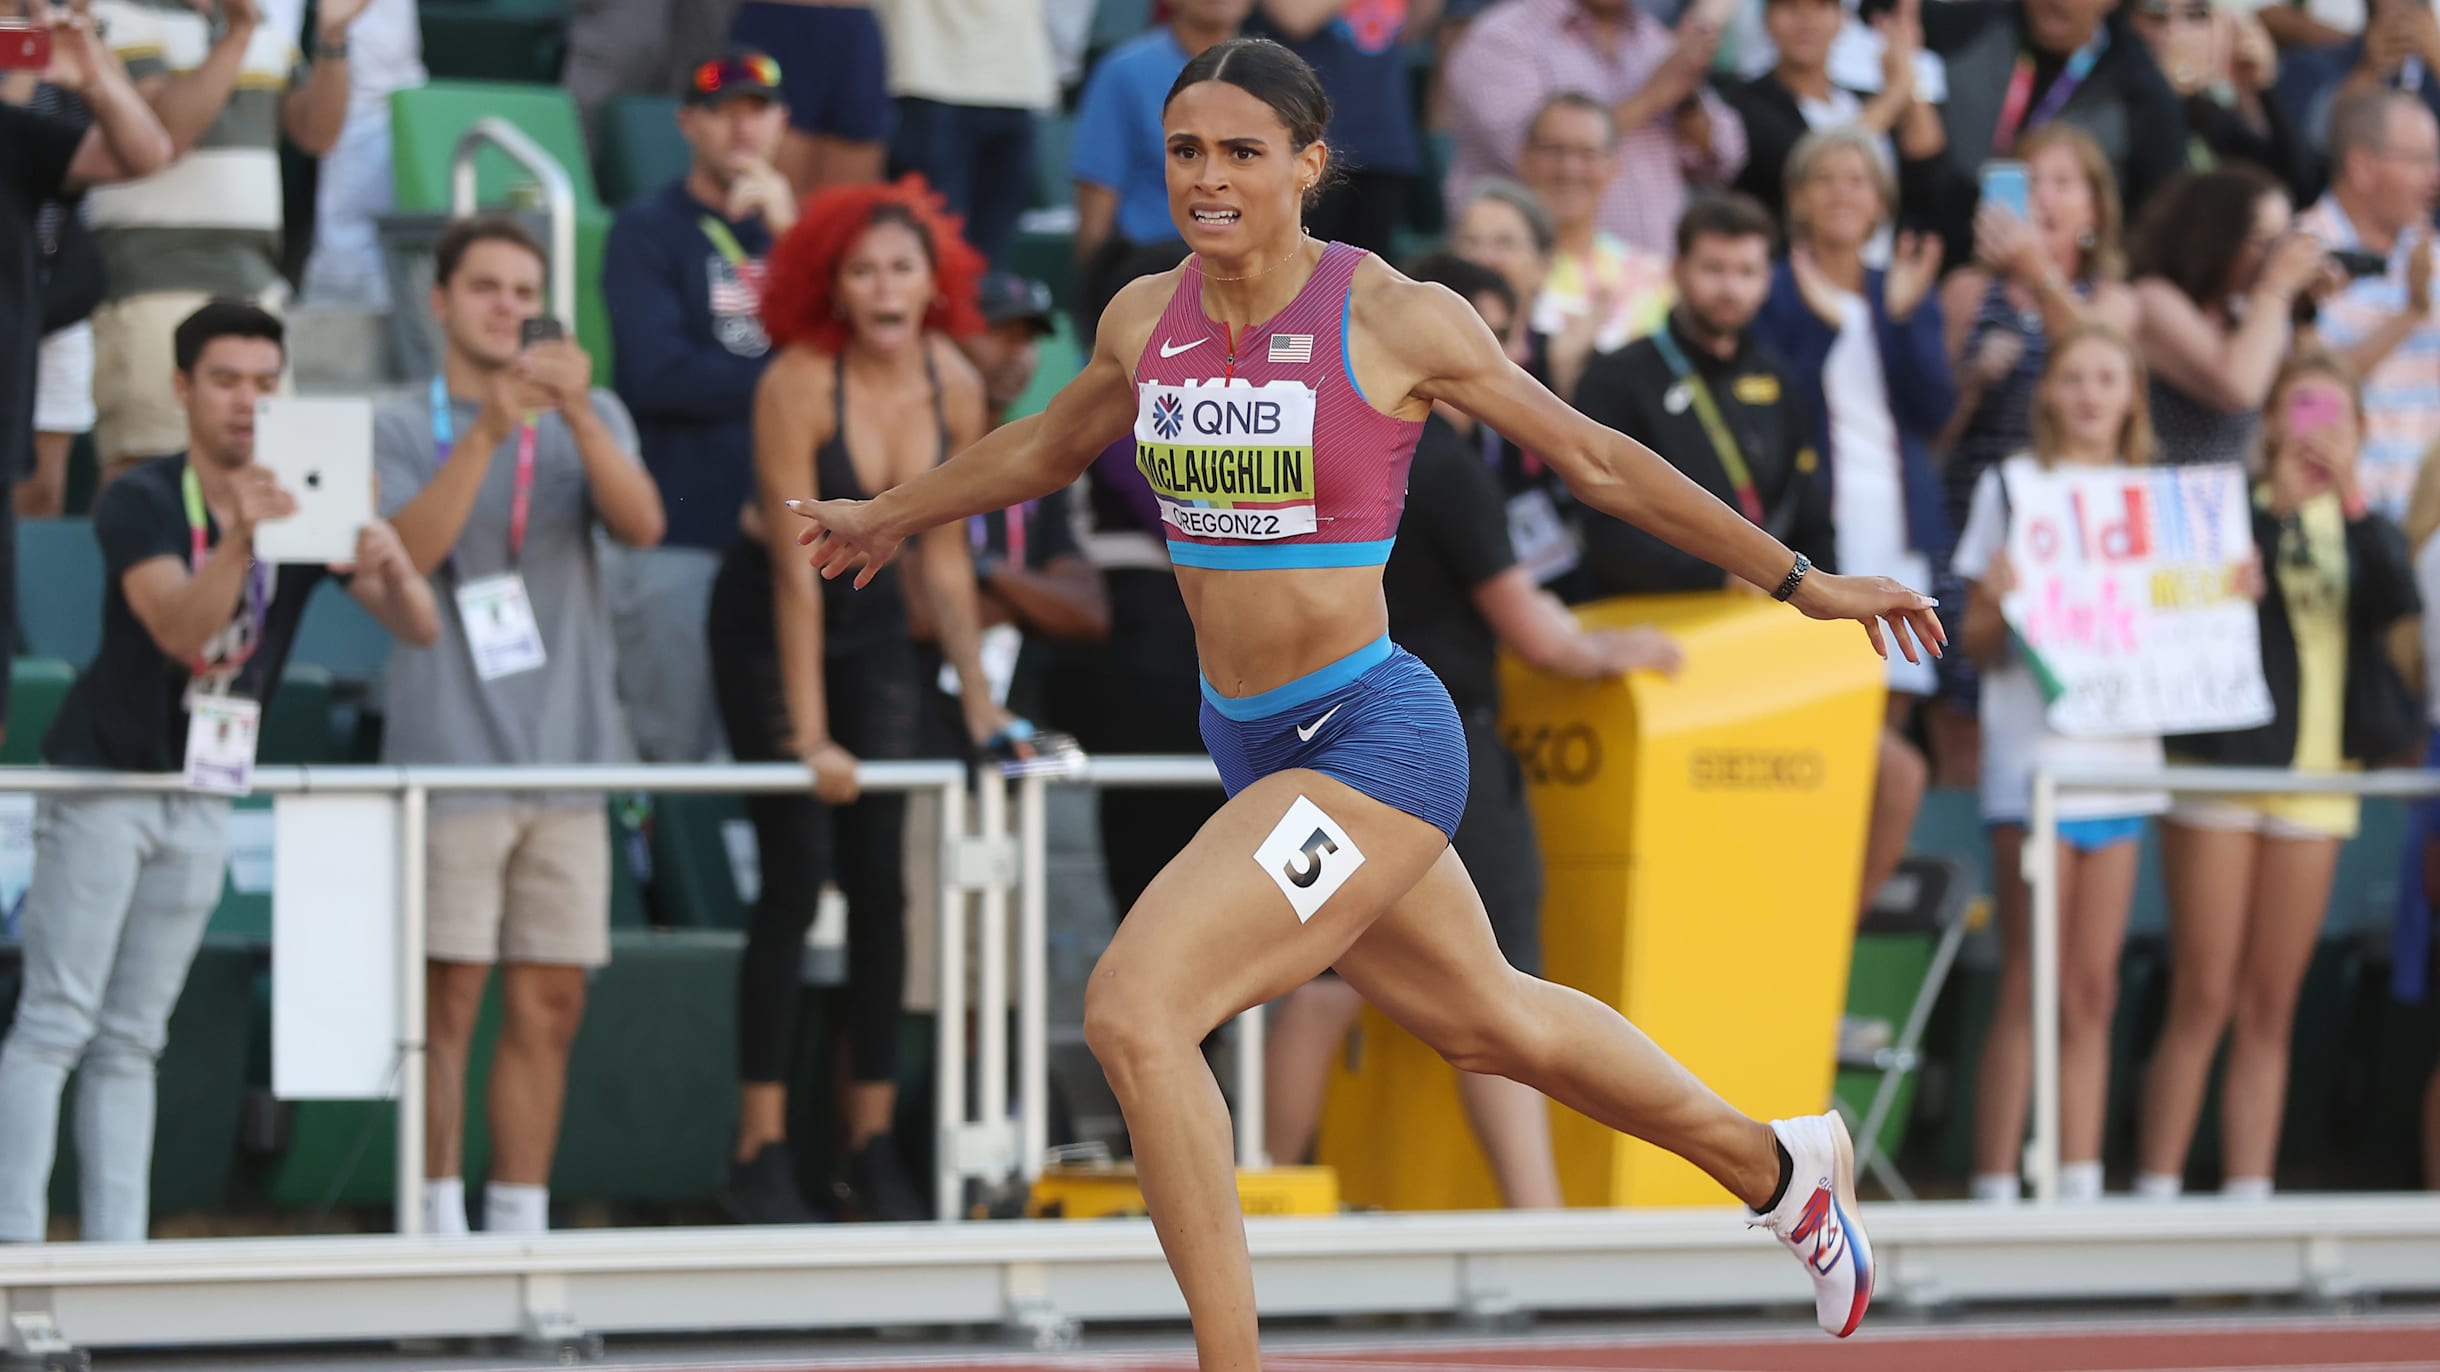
(1796, 576)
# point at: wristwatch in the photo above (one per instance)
(330, 49)
(1796, 576)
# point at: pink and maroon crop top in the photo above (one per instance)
(1260, 447)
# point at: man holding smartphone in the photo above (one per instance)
(495, 472)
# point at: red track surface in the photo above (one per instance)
(2179, 1343)
(2182, 1348)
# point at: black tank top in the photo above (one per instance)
(854, 620)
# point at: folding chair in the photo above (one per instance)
(1903, 955)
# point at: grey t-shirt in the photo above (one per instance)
(566, 711)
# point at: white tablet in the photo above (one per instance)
(321, 451)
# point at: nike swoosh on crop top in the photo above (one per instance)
(1260, 447)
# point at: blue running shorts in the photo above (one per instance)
(1376, 719)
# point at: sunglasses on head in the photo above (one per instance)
(2192, 12)
(721, 73)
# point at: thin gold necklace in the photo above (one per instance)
(1293, 253)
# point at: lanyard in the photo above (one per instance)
(747, 271)
(723, 242)
(1732, 459)
(258, 580)
(521, 500)
(1013, 520)
(2013, 117)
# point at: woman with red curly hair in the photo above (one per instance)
(866, 391)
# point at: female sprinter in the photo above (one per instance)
(1275, 386)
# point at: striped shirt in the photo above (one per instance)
(210, 221)
(2402, 395)
(1520, 53)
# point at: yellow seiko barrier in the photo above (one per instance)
(1703, 839)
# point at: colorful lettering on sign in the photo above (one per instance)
(2105, 625)
(2177, 520)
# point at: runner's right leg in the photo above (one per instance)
(1214, 935)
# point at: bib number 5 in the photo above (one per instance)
(1308, 856)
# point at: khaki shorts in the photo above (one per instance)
(519, 883)
(136, 410)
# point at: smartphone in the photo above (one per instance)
(2007, 184)
(542, 328)
(2313, 407)
(2355, 262)
(23, 47)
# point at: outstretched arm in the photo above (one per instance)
(1451, 356)
(1019, 461)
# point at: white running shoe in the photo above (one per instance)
(1816, 1219)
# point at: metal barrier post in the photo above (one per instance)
(991, 1035)
(1033, 977)
(412, 867)
(558, 188)
(949, 1045)
(2042, 882)
(1250, 1083)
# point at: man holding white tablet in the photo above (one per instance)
(497, 471)
(195, 628)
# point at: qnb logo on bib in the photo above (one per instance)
(1229, 460)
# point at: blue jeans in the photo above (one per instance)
(123, 887)
(980, 158)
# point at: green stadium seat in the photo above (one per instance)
(425, 124)
(1116, 21)
(1062, 358)
(244, 915)
(297, 728)
(37, 685)
(59, 589)
(1052, 134)
(1049, 258)
(486, 40)
(690, 855)
(652, 1082)
(641, 148)
(341, 637)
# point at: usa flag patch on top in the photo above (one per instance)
(1292, 347)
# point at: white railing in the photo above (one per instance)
(984, 862)
(2041, 879)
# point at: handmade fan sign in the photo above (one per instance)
(2128, 603)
